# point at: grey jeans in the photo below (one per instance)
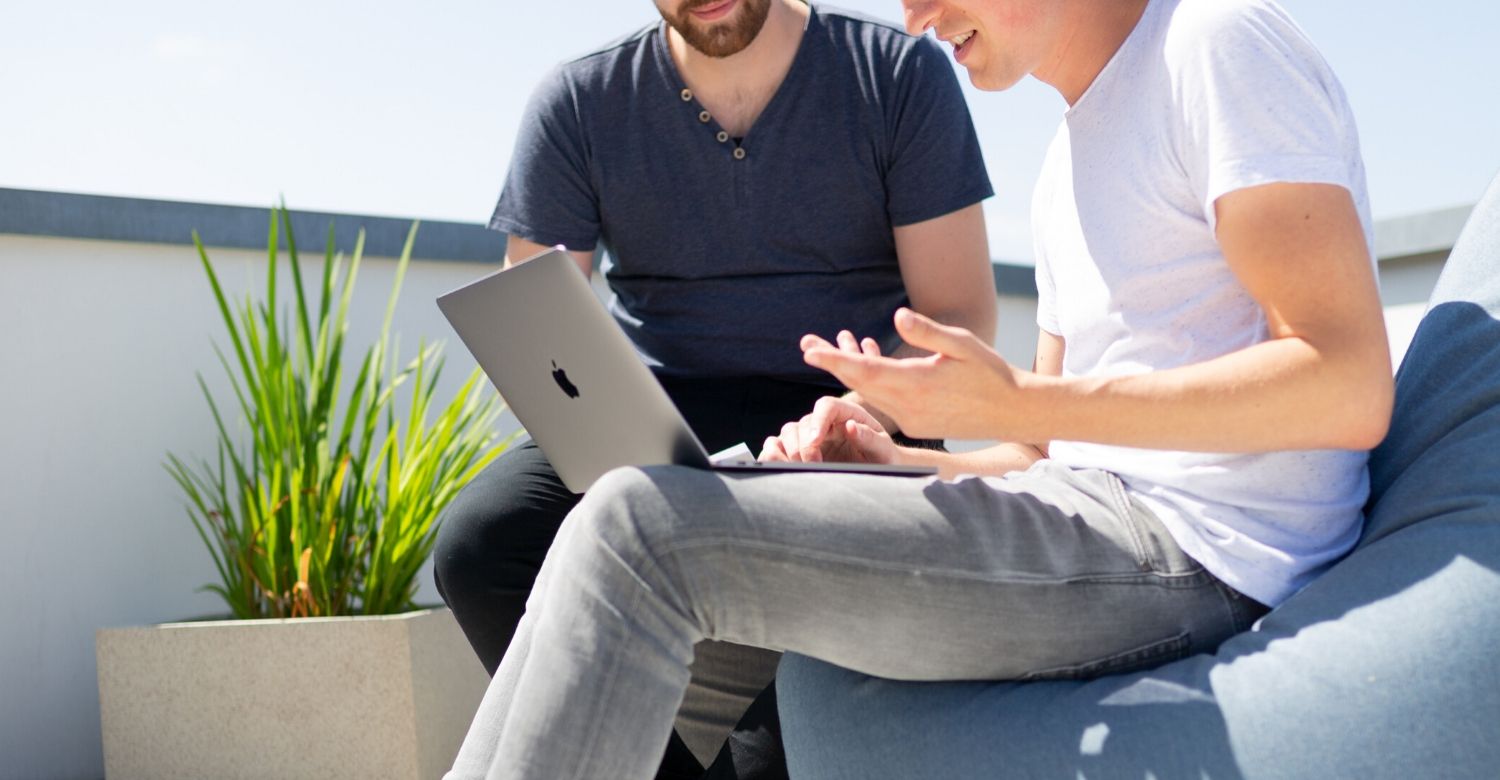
(1047, 573)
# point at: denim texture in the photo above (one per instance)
(495, 534)
(1051, 573)
(1382, 668)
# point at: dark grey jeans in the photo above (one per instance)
(1052, 572)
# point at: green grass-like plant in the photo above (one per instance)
(327, 508)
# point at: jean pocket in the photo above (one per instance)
(1144, 657)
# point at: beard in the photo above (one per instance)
(725, 38)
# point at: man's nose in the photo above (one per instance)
(919, 15)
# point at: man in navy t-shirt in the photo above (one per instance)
(757, 170)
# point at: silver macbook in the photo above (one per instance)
(574, 380)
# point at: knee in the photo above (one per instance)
(619, 491)
(455, 545)
(492, 534)
(617, 504)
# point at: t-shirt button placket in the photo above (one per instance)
(687, 95)
(739, 152)
(722, 137)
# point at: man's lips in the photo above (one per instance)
(961, 44)
(713, 12)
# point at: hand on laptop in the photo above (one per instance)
(836, 430)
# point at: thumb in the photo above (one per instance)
(926, 333)
(867, 442)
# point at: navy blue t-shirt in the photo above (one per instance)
(723, 252)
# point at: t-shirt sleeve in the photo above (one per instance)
(1046, 300)
(1042, 206)
(1259, 104)
(935, 165)
(548, 196)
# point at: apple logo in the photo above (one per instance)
(562, 381)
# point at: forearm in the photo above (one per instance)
(1281, 394)
(990, 461)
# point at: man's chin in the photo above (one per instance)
(988, 82)
(719, 43)
(725, 37)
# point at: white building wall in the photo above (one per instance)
(101, 340)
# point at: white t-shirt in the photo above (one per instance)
(1205, 97)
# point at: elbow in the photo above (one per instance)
(1368, 433)
(1367, 416)
(983, 318)
(1356, 394)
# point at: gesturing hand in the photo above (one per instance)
(964, 389)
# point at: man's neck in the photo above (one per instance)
(1091, 31)
(736, 88)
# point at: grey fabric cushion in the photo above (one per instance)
(1384, 667)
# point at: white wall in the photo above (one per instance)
(100, 344)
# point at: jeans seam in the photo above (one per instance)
(1127, 514)
(1167, 579)
(1152, 653)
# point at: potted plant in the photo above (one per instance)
(318, 517)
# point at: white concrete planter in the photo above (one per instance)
(362, 697)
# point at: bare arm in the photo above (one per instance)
(945, 265)
(519, 250)
(1322, 380)
(842, 431)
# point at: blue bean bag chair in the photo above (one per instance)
(1388, 666)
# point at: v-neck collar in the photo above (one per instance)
(668, 67)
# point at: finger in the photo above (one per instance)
(926, 333)
(849, 373)
(847, 342)
(866, 442)
(844, 365)
(814, 428)
(871, 347)
(813, 341)
(810, 434)
(772, 450)
(857, 442)
(791, 443)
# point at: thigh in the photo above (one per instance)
(1047, 572)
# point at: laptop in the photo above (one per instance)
(574, 380)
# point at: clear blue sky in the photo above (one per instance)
(409, 110)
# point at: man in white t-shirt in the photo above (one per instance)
(1188, 448)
